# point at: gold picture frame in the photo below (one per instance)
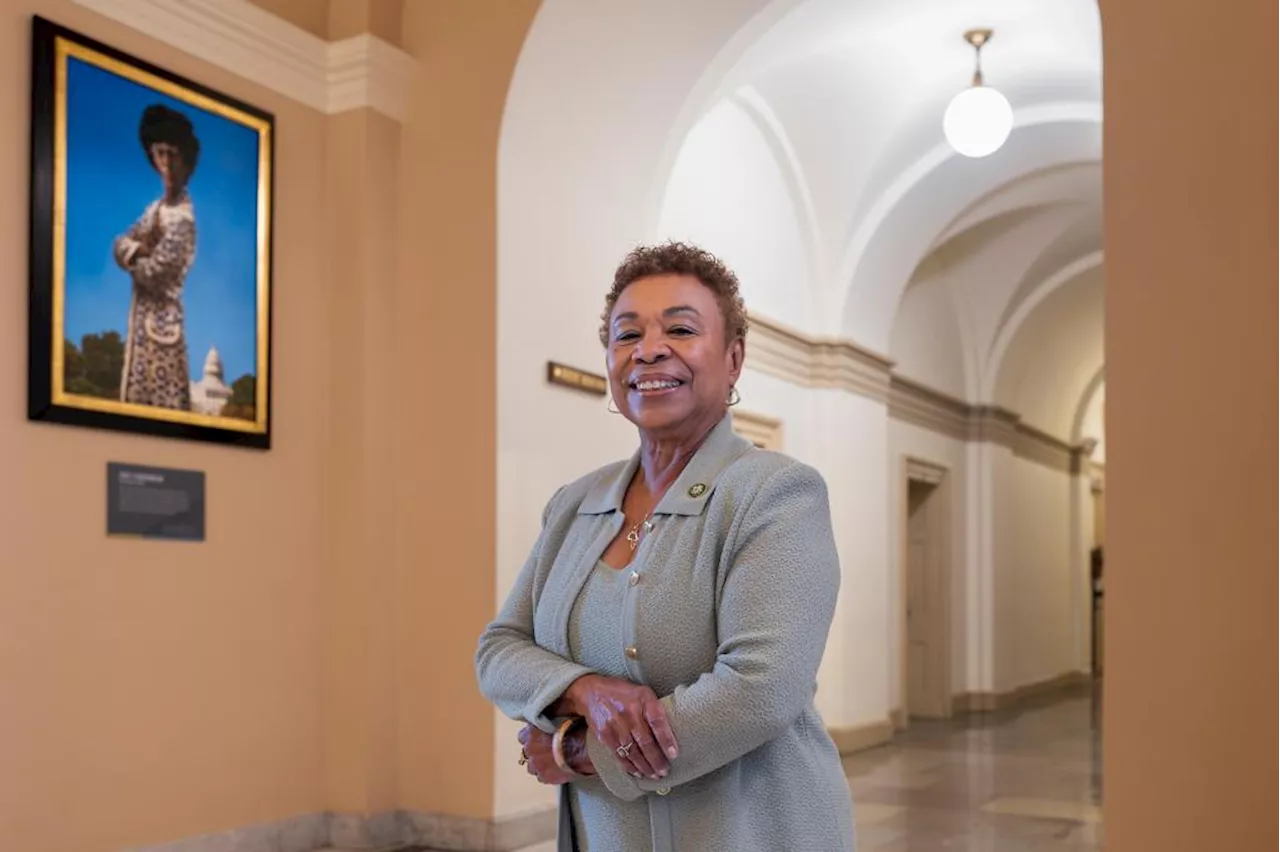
(151, 243)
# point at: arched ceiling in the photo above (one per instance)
(1079, 184)
(992, 268)
(617, 112)
(860, 88)
(1055, 356)
(856, 93)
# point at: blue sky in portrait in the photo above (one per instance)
(110, 183)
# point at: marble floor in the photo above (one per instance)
(1025, 780)
(1028, 780)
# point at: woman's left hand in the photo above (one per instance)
(541, 764)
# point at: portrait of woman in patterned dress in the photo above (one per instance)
(151, 216)
(157, 251)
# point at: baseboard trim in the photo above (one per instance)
(992, 702)
(462, 834)
(389, 831)
(304, 833)
(899, 718)
(851, 739)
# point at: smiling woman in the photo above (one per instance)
(675, 330)
(692, 724)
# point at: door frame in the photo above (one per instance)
(1097, 595)
(918, 469)
(764, 432)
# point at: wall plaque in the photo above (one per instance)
(155, 502)
(571, 377)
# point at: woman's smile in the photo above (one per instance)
(654, 385)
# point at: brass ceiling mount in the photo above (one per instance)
(979, 37)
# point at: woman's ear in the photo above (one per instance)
(736, 355)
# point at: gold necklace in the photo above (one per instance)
(633, 537)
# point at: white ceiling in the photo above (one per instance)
(1055, 355)
(857, 92)
(849, 99)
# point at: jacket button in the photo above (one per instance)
(632, 652)
(633, 579)
(662, 791)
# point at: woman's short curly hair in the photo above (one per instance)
(161, 124)
(677, 258)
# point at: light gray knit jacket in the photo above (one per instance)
(727, 623)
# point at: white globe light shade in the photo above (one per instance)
(977, 121)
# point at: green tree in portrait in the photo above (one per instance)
(243, 398)
(93, 368)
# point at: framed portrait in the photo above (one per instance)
(151, 226)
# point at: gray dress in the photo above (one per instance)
(726, 620)
(601, 821)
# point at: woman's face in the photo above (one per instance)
(169, 163)
(669, 368)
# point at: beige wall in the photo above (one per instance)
(411, 468)
(363, 167)
(316, 652)
(1191, 402)
(380, 18)
(341, 19)
(446, 438)
(310, 15)
(155, 690)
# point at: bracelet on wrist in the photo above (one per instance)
(557, 744)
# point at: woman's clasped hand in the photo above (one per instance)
(626, 718)
(538, 758)
(629, 720)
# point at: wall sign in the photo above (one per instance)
(155, 502)
(571, 377)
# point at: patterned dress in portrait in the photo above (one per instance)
(155, 356)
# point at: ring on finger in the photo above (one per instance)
(624, 750)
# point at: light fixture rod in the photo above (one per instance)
(978, 38)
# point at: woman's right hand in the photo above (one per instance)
(619, 712)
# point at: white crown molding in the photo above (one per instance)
(912, 402)
(365, 71)
(821, 363)
(332, 77)
(816, 363)
(1032, 444)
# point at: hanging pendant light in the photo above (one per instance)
(978, 120)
